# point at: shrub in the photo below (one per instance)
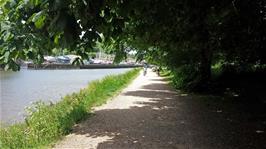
(184, 77)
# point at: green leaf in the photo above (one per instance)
(8, 36)
(5, 25)
(56, 38)
(40, 23)
(38, 19)
(6, 56)
(34, 2)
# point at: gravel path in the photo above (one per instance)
(150, 114)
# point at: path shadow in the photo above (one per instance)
(158, 79)
(158, 87)
(164, 119)
(151, 94)
(151, 124)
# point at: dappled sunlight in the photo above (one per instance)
(141, 118)
(159, 91)
(161, 108)
(183, 95)
(135, 127)
(148, 92)
(142, 103)
(155, 116)
(128, 102)
(214, 48)
(84, 141)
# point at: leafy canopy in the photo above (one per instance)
(173, 33)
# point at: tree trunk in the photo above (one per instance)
(205, 55)
(205, 65)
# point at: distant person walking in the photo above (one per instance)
(145, 67)
(158, 71)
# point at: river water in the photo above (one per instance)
(20, 89)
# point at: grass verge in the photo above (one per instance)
(47, 123)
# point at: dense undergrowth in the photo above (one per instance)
(247, 84)
(47, 123)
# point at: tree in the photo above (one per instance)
(174, 33)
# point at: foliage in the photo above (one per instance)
(172, 33)
(47, 123)
(183, 75)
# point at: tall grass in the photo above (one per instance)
(47, 123)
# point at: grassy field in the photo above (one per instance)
(48, 123)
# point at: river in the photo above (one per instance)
(20, 89)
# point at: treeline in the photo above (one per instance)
(189, 37)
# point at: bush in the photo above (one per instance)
(184, 77)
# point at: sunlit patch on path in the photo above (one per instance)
(150, 114)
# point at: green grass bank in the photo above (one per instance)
(48, 123)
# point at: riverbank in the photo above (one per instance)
(89, 66)
(21, 88)
(47, 123)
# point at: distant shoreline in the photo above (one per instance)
(69, 66)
